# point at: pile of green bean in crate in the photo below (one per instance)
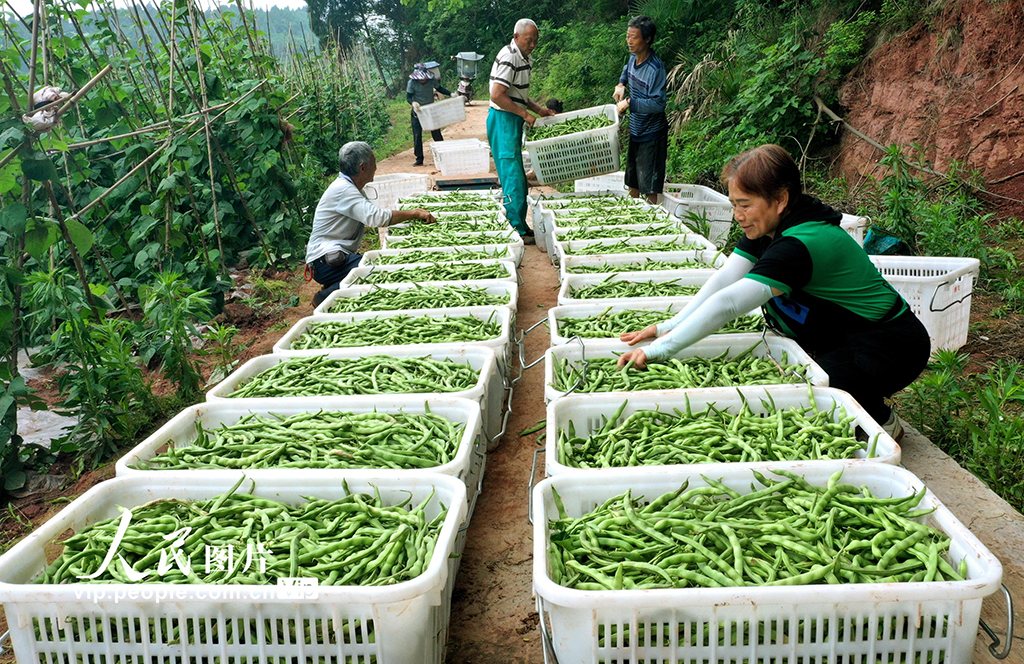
(393, 384)
(742, 398)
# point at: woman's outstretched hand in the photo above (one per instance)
(633, 338)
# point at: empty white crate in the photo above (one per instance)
(386, 190)
(590, 412)
(579, 155)
(679, 199)
(857, 227)
(572, 282)
(356, 275)
(783, 624)
(611, 182)
(461, 159)
(140, 622)
(508, 290)
(636, 262)
(441, 113)
(502, 252)
(938, 290)
(488, 391)
(732, 344)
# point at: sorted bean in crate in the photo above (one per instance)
(603, 374)
(358, 540)
(607, 324)
(320, 375)
(321, 439)
(397, 330)
(626, 247)
(566, 127)
(450, 197)
(624, 218)
(646, 266)
(420, 297)
(602, 232)
(443, 225)
(454, 256)
(790, 532)
(626, 289)
(437, 272)
(659, 438)
(602, 203)
(469, 206)
(448, 240)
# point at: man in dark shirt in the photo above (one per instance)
(420, 92)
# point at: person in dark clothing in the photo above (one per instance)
(554, 104)
(420, 92)
(814, 282)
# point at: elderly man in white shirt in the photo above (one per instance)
(342, 216)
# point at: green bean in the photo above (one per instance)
(397, 330)
(450, 197)
(420, 297)
(608, 325)
(602, 374)
(454, 256)
(444, 225)
(713, 435)
(610, 288)
(325, 439)
(625, 247)
(764, 537)
(449, 240)
(482, 205)
(438, 272)
(568, 126)
(601, 232)
(647, 265)
(613, 218)
(350, 541)
(600, 203)
(319, 375)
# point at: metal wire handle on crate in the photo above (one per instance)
(582, 380)
(1009, 629)
(935, 293)
(479, 485)
(768, 354)
(523, 365)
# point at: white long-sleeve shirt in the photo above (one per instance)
(341, 217)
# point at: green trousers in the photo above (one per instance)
(505, 135)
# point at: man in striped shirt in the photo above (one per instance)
(648, 128)
(510, 108)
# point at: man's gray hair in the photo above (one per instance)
(523, 24)
(352, 155)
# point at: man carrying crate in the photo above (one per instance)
(510, 108)
(420, 92)
(648, 127)
(342, 216)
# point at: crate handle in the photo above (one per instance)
(479, 486)
(545, 636)
(529, 489)
(523, 365)
(4, 639)
(991, 634)
(931, 305)
(509, 388)
(583, 358)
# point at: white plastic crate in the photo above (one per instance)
(592, 309)
(508, 290)
(857, 227)
(590, 412)
(486, 237)
(487, 195)
(386, 190)
(579, 155)
(512, 252)
(933, 622)
(483, 224)
(499, 344)
(713, 259)
(596, 247)
(441, 113)
(713, 346)
(612, 182)
(680, 277)
(646, 229)
(938, 290)
(463, 159)
(140, 622)
(356, 274)
(679, 199)
(183, 429)
(488, 391)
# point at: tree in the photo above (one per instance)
(340, 21)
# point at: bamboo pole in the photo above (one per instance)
(33, 56)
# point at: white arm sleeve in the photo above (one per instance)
(735, 268)
(717, 310)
